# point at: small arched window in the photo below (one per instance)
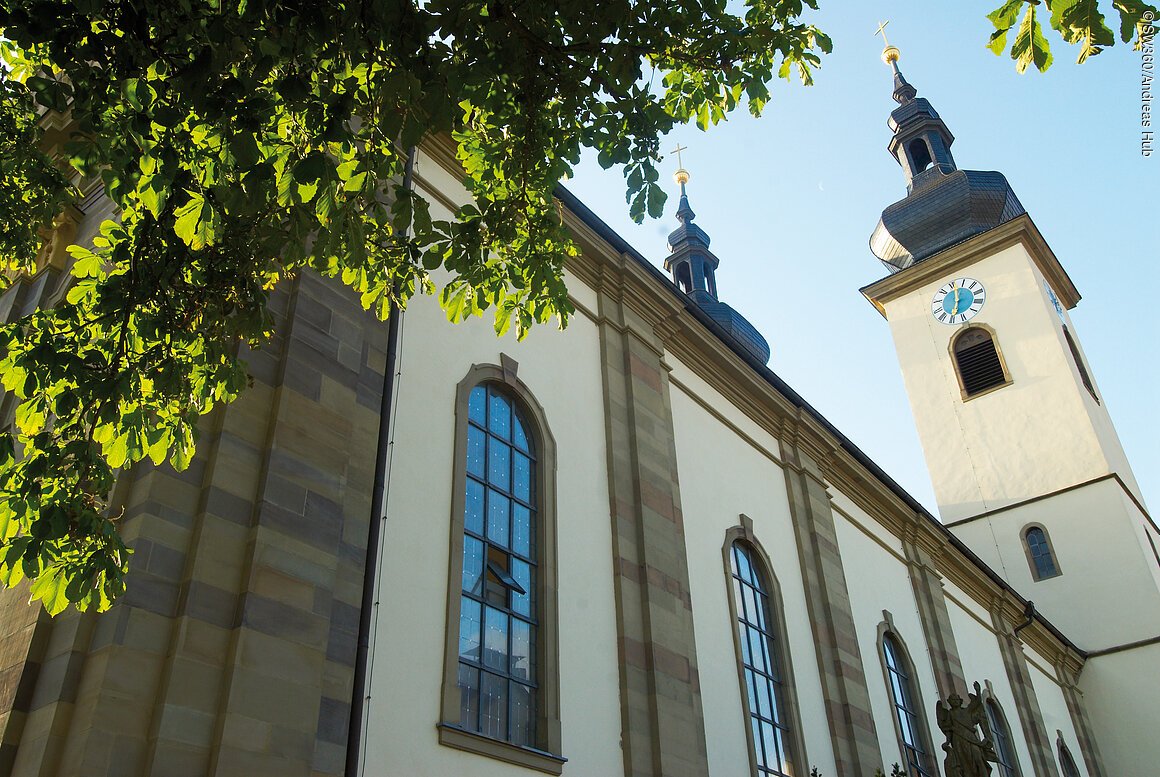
(1039, 553)
(919, 155)
(1083, 373)
(1001, 739)
(763, 671)
(977, 361)
(911, 735)
(1066, 762)
(685, 277)
(500, 691)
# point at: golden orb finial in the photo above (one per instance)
(890, 54)
(682, 175)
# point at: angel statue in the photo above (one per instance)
(967, 751)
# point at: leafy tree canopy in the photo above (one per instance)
(244, 142)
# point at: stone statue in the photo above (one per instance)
(967, 751)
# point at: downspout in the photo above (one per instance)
(358, 696)
(1029, 614)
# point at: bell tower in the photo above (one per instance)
(1026, 465)
(1005, 402)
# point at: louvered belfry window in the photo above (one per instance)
(977, 360)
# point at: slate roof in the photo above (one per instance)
(941, 210)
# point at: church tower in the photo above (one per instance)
(1005, 403)
(693, 268)
(1026, 465)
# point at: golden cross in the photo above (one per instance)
(882, 31)
(678, 151)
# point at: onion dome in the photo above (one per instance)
(943, 205)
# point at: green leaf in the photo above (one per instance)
(1004, 16)
(1030, 46)
(50, 588)
(50, 93)
(195, 221)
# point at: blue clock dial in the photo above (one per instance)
(957, 302)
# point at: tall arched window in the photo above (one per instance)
(907, 708)
(773, 745)
(1008, 763)
(1039, 553)
(1066, 762)
(1079, 365)
(500, 687)
(977, 361)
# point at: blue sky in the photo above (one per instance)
(790, 200)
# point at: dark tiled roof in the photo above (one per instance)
(941, 210)
(743, 333)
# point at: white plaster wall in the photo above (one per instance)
(1039, 434)
(878, 580)
(1057, 719)
(1121, 692)
(562, 370)
(722, 475)
(1108, 593)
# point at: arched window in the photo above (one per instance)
(919, 155)
(773, 746)
(907, 708)
(1008, 763)
(1066, 762)
(501, 681)
(1039, 553)
(1083, 373)
(685, 277)
(977, 361)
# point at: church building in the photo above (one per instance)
(627, 547)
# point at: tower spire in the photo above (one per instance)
(966, 201)
(693, 268)
(903, 91)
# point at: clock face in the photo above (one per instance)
(958, 301)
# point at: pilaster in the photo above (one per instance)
(663, 730)
(1026, 702)
(1068, 681)
(932, 612)
(840, 664)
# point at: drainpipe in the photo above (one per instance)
(358, 697)
(1029, 614)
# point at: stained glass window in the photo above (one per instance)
(1042, 562)
(918, 763)
(761, 662)
(497, 622)
(1001, 740)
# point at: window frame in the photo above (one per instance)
(1007, 379)
(887, 629)
(1035, 576)
(994, 712)
(1063, 752)
(545, 755)
(744, 534)
(1085, 376)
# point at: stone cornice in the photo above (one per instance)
(1019, 230)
